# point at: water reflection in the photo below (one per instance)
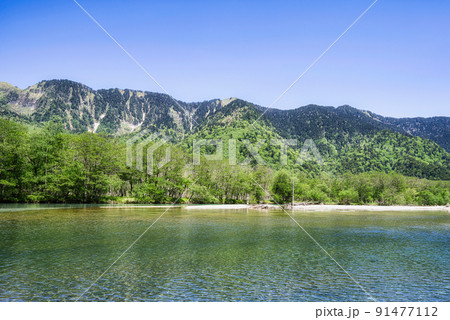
(54, 255)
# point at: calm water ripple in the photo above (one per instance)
(54, 254)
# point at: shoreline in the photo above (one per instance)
(313, 207)
(298, 207)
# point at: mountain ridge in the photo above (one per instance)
(118, 111)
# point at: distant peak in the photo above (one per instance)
(345, 106)
(7, 86)
(61, 82)
(224, 102)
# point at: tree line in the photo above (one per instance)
(51, 165)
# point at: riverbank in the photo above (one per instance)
(312, 207)
(298, 207)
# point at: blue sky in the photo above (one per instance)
(394, 61)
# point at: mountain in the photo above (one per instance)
(116, 111)
(435, 128)
(317, 121)
(81, 108)
(350, 140)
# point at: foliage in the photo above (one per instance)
(49, 164)
(282, 187)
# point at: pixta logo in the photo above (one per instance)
(145, 151)
(148, 143)
(308, 151)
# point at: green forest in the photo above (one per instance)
(51, 165)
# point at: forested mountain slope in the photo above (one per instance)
(345, 142)
(435, 128)
(350, 140)
(318, 121)
(117, 111)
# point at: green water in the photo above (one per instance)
(55, 254)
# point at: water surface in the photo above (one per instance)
(55, 254)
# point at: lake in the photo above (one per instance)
(54, 253)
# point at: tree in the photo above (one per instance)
(88, 161)
(348, 196)
(282, 187)
(44, 157)
(12, 161)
